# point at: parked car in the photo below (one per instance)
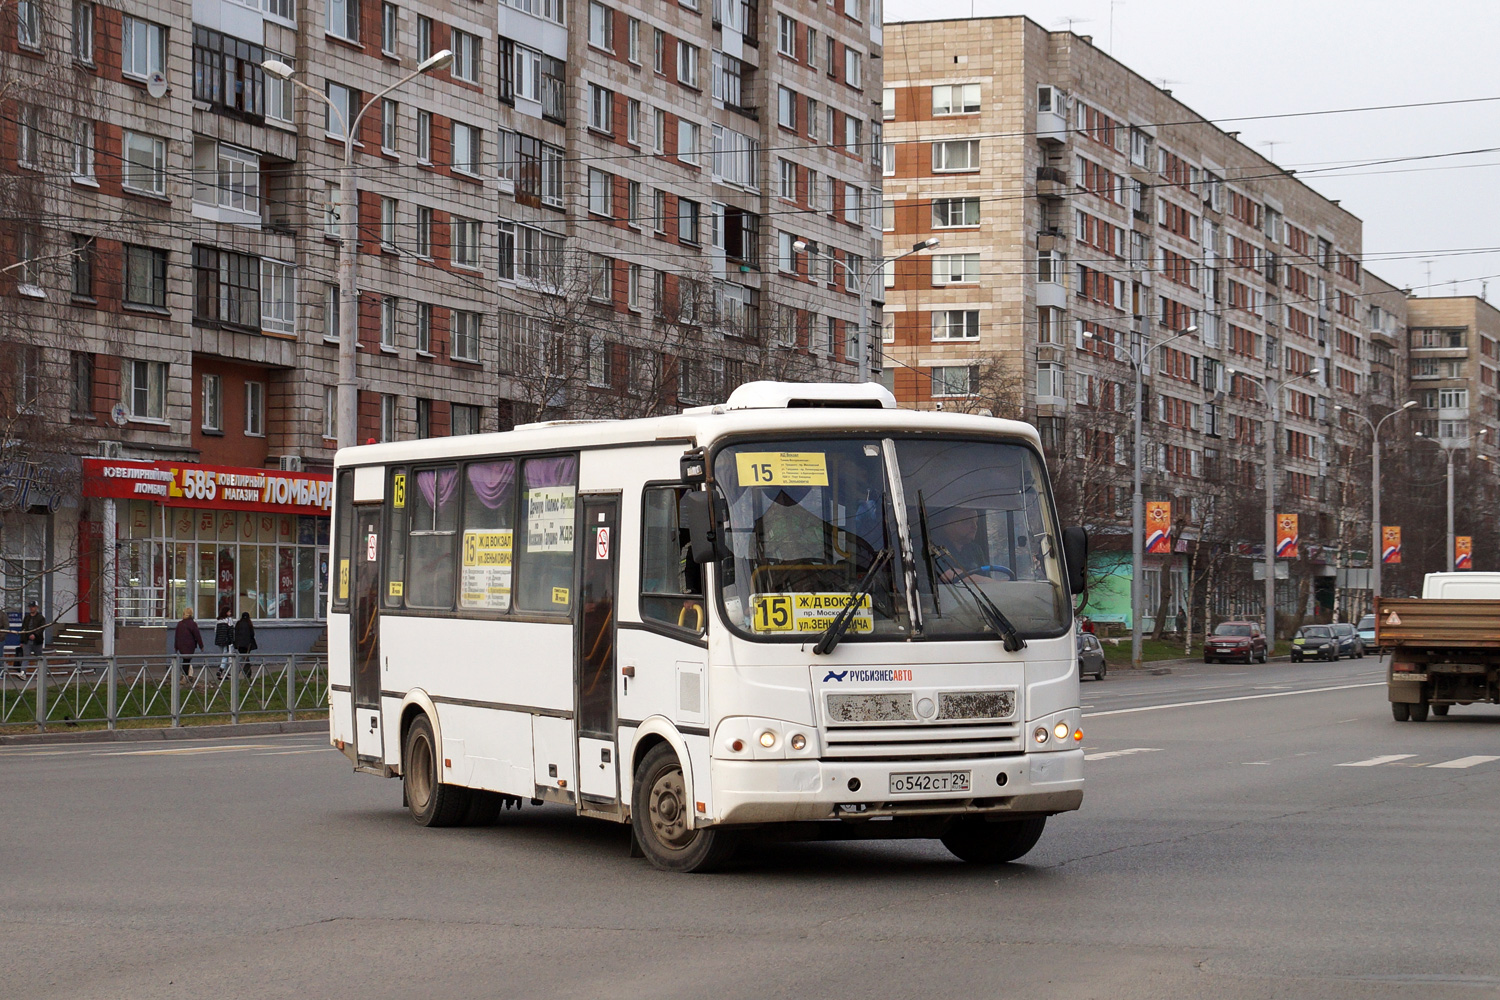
(1366, 630)
(1350, 644)
(1315, 642)
(1235, 640)
(1090, 656)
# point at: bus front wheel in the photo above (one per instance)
(431, 801)
(662, 818)
(978, 842)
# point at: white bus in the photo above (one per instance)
(803, 608)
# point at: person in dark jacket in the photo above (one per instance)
(187, 641)
(224, 637)
(244, 640)
(33, 631)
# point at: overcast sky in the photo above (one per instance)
(1226, 59)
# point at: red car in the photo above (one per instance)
(1234, 641)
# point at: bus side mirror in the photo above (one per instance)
(1075, 543)
(697, 511)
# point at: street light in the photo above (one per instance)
(1139, 361)
(1377, 546)
(1265, 382)
(862, 341)
(1448, 451)
(349, 233)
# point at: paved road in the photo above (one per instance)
(1259, 839)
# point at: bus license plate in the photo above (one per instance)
(930, 781)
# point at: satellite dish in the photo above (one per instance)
(119, 414)
(156, 86)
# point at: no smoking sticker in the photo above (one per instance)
(601, 543)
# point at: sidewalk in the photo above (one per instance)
(166, 733)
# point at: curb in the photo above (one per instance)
(168, 734)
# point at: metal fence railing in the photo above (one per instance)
(61, 690)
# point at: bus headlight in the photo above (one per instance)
(767, 739)
(1041, 734)
(1060, 730)
(798, 741)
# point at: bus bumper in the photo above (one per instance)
(781, 791)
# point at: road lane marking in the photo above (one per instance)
(1375, 761)
(1120, 753)
(187, 751)
(1460, 762)
(282, 753)
(1222, 701)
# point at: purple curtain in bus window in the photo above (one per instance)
(492, 481)
(559, 471)
(437, 486)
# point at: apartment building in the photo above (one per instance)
(1089, 220)
(587, 212)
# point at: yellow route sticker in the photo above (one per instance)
(782, 468)
(343, 579)
(397, 588)
(807, 612)
(398, 490)
(559, 595)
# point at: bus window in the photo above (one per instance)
(434, 524)
(544, 577)
(489, 512)
(671, 582)
(344, 521)
(395, 537)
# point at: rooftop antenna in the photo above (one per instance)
(1112, 5)
(1072, 20)
(1429, 274)
(1272, 143)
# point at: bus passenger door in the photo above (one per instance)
(365, 642)
(598, 765)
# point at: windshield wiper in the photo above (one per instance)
(841, 622)
(939, 559)
(937, 609)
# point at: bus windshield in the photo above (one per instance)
(808, 519)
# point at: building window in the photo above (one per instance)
(144, 48)
(388, 418)
(83, 31)
(279, 93)
(601, 105)
(786, 36)
(145, 163)
(955, 156)
(955, 324)
(424, 232)
(343, 19)
(424, 418)
(145, 277)
(687, 64)
(952, 213)
(786, 108)
(467, 144)
(888, 104)
(389, 309)
(465, 340)
(955, 269)
(689, 140)
(226, 177)
(957, 99)
(83, 149)
(505, 255)
(389, 114)
(82, 385)
(954, 380)
(465, 419)
(601, 26)
(226, 288)
(388, 207)
(633, 276)
(552, 176)
(465, 242)
(278, 296)
(212, 405)
(82, 266)
(389, 18)
(227, 73)
(853, 68)
(331, 310)
(255, 409)
(424, 328)
(601, 190)
(633, 121)
(601, 277)
(424, 37)
(145, 389)
(342, 102)
(528, 73)
(687, 220)
(1049, 382)
(467, 56)
(424, 136)
(330, 413)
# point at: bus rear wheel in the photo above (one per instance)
(662, 819)
(431, 801)
(973, 840)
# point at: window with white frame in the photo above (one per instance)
(633, 121)
(786, 107)
(598, 368)
(954, 213)
(145, 276)
(83, 149)
(83, 31)
(658, 131)
(888, 104)
(786, 36)
(688, 220)
(955, 99)
(465, 418)
(424, 136)
(853, 71)
(812, 119)
(465, 340)
(601, 26)
(388, 209)
(687, 64)
(330, 412)
(633, 40)
(1049, 382)
(633, 278)
(388, 417)
(812, 48)
(887, 215)
(339, 109)
(389, 115)
(853, 203)
(954, 380)
(331, 310)
(211, 404)
(145, 389)
(424, 232)
(955, 269)
(552, 176)
(343, 19)
(226, 176)
(144, 48)
(601, 192)
(956, 155)
(851, 134)
(279, 93)
(786, 253)
(467, 56)
(786, 186)
(467, 152)
(145, 163)
(735, 158)
(633, 203)
(601, 277)
(278, 296)
(955, 324)
(601, 107)
(424, 327)
(528, 75)
(888, 159)
(465, 241)
(689, 140)
(389, 28)
(390, 308)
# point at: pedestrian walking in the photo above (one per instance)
(33, 631)
(244, 640)
(224, 637)
(187, 641)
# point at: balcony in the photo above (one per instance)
(1052, 126)
(1051, 293)
(1051, 182)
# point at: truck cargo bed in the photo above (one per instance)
(1427, 623)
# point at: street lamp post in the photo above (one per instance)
(348, 394)
(1376, 544)
(1265, 382)
(1139, 362)
(862, 341)
(1448, 451)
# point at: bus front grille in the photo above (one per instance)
(921, 742)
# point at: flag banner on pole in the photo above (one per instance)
(1390, 544)
(1158, 526)
(1286, 536)
(1463, 552)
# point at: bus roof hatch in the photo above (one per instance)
(794, 395)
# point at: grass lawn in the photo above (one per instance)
(1164, 649)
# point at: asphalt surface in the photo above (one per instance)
(1247, 832)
